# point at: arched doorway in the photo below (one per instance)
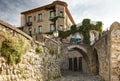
(96, 62)
(79, 63)
(75, 61)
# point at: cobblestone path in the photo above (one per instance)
(77, 76)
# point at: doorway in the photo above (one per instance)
(70, 64)
(80, 64)
(75, 64)
(96, 61)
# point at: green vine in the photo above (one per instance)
(84, 29)
(87, 26)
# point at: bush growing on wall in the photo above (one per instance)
(39, 49)
(13, 48)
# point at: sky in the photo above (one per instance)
(107, 11)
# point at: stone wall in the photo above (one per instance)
(108, 50)
(74, 53)
(34, 67)
(115, 51)
(101, 47)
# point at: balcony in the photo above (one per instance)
(29, 23)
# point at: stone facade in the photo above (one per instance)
(71, 52)
(103, 56)
(115, 51)
(61, 20)
(34, 67)
(109, 53)
(102, 48)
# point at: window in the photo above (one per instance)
(61, 27)
(52, 28)
(34, 18)
(30, 33)
(61, 13)
(52, 14)
(30, 19)
(40, 29)
(40, 17)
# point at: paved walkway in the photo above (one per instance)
(77, 76)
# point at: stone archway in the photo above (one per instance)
(95, 60)
(94, 36)
(83, 62)
(80, 49)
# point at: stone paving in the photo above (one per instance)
(77, 76)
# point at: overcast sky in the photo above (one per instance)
(106, 11)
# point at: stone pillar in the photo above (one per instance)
(115, 51)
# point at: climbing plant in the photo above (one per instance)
(87, 26)
(73, 29)
(65, 34)
(84, 29)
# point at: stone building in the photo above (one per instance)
(46, 19)
(101, 58)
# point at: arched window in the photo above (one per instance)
(93, 36)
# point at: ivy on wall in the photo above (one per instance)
(65, 34)
(84, 29)
(87, 26)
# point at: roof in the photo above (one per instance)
(50, 5)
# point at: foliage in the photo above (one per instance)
(84, 29)
(52, 51)
(87, 26)
(73, 29)
(39, 49)
(56, 76)
(64, 34)
(13, 48)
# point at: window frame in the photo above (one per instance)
(61, 28)
(52, 27)
(40, 17)
(40, 29)
(61, 14)
(29, 18)
(51, 14)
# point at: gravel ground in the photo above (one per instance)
(77, 76)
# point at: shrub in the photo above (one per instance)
(39, 49)
(56, 76)
(53, 51)
(13, 48)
